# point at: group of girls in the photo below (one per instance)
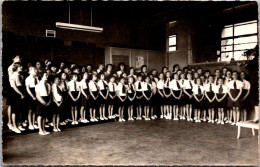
(179, 94)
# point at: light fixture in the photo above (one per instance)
(79, 27)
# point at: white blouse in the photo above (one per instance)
(31, 81)
(72, 84)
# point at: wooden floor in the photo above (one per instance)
(157, 142)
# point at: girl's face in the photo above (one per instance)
(112, 79)
(151, 77)
(83, 69)
(217, 73)
(109, 68)
(161, 76)
(53, 69)
(168, 75)
(202, 78)
(62, 64)
(206, 74)
(122, 67)
(57, 81)
(89, 68)
(234, 75)
(198, 81)
(38, 65)
(63, 76)
(177, 67)
(224, 71)
(144, 69)
(130, 80)
(176, 77)
(20, 68)
(196, 75)
(45, 77)
(182, 76)
(242, 75)
(186, 70)
(165, 70)
(122, 81)
(85, 76)
(220, 81)
(33, 71)
(154, 72)
(124, 75)
(199, 71)
(189, 76)
(75, 77)
(102, 76)
(131, 71)
(139, 78)
(178, 72)
(228, 73)
(211, 79)
(147, 79)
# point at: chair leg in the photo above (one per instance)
(253, 131)
(238, 131)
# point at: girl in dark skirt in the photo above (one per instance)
(160, 87)
(139, 96)
(176, 92)
(220, 94)
(188, 86)
(30, 83)
(84, 98)
(93, 103)
(64, 116)
(121, 92)
(131, 97)
(198, 91)
(43, 90)
(182, 105)
(245, 101)
(74, 95)
(147, 93)
(155, 96)
(112, 95)
(17, 95)
(210, 98)
(57, 103)
(167, 95)
(103, 95)
(235, 90)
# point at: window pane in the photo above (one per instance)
(227, 42)
(172, 40)
(245, 39)
(246, 29)
(239, 55)
(226, 56)
(172, 48)
(227, 32)
(226, 48)
(245, 46)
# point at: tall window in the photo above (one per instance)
(237, 38)
(172, 43)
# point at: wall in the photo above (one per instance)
(153, 59)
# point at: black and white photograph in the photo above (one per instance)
(130, 83)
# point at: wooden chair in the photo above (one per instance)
(253, 124)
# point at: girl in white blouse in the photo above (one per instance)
(103, 95)
(84, 97)
(74, 94)
(160, 86)
(167, 95)
(182, 106)
(112, 95)
(94, 92)
(245, 103)
(210, 98)
(176, 92)
(131, 97)
(30, 82)
(121, 92)
(139, 96)
(198, 91)
(147, 93)
(57, 103)
(187, 89)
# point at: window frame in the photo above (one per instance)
(169, 46)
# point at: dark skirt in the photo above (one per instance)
(186, 98)
(43, 110)
(168, 100)
(245, 103)
(145, 101)
(31, 103)
(234, 93)
(223, 103)
(139, 101)
(74, 103)
(207, 103)
(196, 104)
(55, 108)
(177, 94)
(101, 100)
(92, 102)
(120, 103)
(160, 99)
(17, 104)
(84, 102)
(111, 101)
(128, 101)
(9, 95)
